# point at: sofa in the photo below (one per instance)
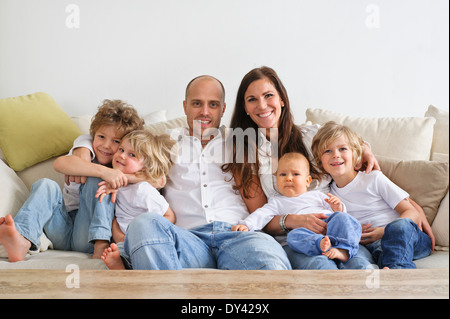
(34, 130)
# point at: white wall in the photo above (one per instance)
(365, 58)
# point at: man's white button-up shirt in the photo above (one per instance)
(197, 189)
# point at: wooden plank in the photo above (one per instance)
(220, 284)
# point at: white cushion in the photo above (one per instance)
(13, 193)
(163, 127)
(155, 117)
(441, 128)
(407, 138)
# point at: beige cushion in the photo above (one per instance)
(441, 223)
(425, 181)
(40, 170)
(407, 138)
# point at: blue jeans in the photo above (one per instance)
(401, 243)
(44, 211)
(362, 260)
(343, 230)
(152, 242)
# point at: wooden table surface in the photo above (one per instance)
(220, 284)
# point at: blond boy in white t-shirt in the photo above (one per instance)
(392, 226)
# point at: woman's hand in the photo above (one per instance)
(312, 222)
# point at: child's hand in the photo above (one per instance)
(115, 178)
(239, 228)
(104, 190)
(335, 203)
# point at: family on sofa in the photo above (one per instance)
(205, 195)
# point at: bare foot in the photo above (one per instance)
(325, 244)
(337, 253)
(15, 244)
(111, 258)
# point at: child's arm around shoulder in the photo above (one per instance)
(75, 166)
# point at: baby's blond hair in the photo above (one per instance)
(327, 134)
(158, 153)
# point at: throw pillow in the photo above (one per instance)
(34, 128)
(163, 127)
(13, 192)
(441, 128)
(407, 138)
(441, 223)
(425, 181)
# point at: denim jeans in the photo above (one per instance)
(152, 242)
(44, 211)
(361, 260)
(401, 243)
(343, 230)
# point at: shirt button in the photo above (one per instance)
(206, 206)
(204, 185)
(204, 173)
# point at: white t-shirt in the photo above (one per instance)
(312, 202)
(371, 198)
(136, 199)
(197, 189)
(71, 192)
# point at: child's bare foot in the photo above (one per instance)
(325, 244)
(15, 244)
(111, 258)
(99, 248)
(337, 253)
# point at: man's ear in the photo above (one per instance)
(184, 107)
(224, 107)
